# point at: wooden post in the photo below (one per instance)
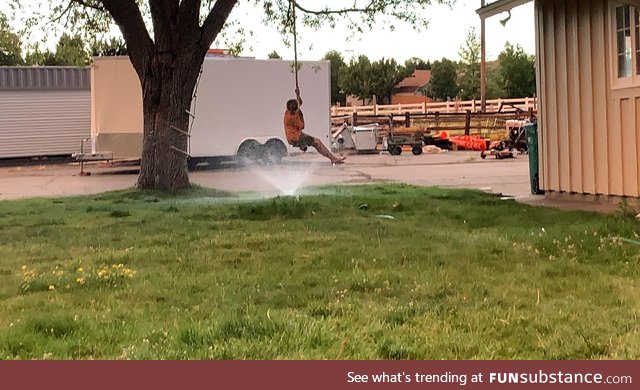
(355, 118)
(467, 123)
(483, 63)
(407, 119)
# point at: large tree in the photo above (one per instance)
(10, 51)
(469, 75)
(111, 47)
(443, 83)
(385, 75)
(274, 56)
(38, 57)
(355, 78)
(337, 64)
(415, 63)
(71, 51)
(516, 72)
(167, 41)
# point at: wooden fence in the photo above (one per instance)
(490, 125)
(524, 104)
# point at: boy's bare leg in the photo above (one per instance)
(325, 152)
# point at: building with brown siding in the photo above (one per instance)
(588, 64)
(410, 90)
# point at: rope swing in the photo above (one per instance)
(295, 42)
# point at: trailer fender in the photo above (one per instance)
(273, 151)
(270, 150)
(249, 151)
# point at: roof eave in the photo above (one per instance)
(499, 7)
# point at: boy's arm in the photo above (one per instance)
(298, 96)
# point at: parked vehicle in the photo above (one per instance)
(237, 109)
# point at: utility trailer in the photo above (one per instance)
(395, 142)
(237, 111)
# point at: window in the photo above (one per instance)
(625, 45)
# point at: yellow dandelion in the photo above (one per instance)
(24, 267)
(80, 280)
(52, 287)
(80, 270)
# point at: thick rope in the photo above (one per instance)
(295, 42)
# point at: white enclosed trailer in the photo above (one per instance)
(237, 110)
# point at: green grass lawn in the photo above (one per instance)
(456, 275)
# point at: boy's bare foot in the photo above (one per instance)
(338, 160)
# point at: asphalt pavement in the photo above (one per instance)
(508, 177)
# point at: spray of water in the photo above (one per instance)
(287, 179)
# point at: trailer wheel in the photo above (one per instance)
(249, 152)
(395, 150)
(416, 150)
(273, 152)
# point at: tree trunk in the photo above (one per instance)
(168, 67)
(167, 92)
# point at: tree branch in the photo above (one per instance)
(327, 11)
(128, 17)
(87, 4)
(189, 33)
(190, 7)
(70, 5)
(215, 21)
(164, 15)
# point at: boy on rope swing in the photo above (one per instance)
(293, 126)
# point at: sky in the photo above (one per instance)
(442, 38)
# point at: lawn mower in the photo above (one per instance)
(512, 145)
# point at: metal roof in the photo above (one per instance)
(23, 78)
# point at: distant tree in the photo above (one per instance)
(10, 51)
(443, 84)
(112, 47)
(364, 79)
(385, 75)
(70, 51)
(415, 63)
(35, 56)
(274, 56)
(469, 74)
(516, 72)
(337, 64)
(494, 89)
(355, 78)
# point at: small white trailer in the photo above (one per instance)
(237, 111)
